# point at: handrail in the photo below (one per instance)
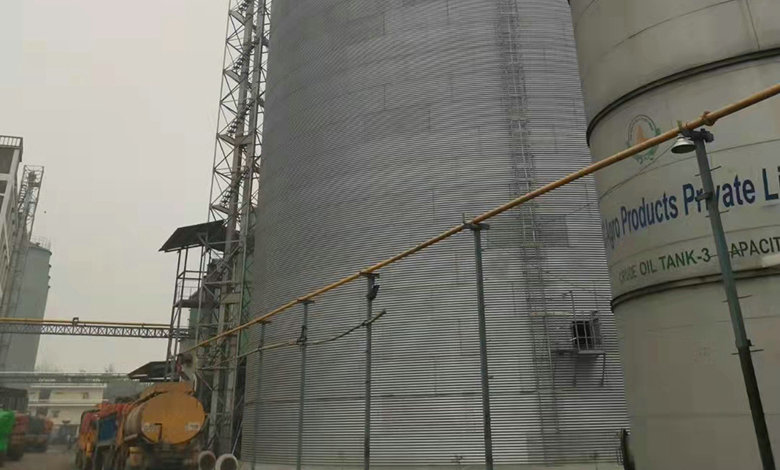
(708, 118)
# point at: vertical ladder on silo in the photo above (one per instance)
(532, 243)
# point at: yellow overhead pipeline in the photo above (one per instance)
(707, 119)
(77, 322)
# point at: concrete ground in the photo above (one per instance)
(56, 458)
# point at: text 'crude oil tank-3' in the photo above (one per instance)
(645, 65)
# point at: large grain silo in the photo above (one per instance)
(386, 122)
(644, 66)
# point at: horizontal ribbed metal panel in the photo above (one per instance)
(387, 120)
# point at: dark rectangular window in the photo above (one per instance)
(6, 159)
(586, 334)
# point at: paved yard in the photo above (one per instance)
(57, 458)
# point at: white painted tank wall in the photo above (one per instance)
(646, 65)
(623, 45)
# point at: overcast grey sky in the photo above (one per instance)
(118, 100)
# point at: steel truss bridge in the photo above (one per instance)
(60, 377)
(76, 327)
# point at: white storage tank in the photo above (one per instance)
(34, 291)
(645, 65)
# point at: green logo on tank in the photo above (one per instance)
(640, 129)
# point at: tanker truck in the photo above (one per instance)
(158, 431)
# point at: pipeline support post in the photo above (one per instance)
(372, 290)
(303, 341)
(256, 427)
(476, 229)
(729, 285)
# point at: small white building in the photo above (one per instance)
(64, 403)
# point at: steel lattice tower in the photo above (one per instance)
(234, 192)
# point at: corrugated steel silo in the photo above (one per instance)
(644, 66)
(386, 122)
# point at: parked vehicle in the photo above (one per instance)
(7, 421)
(37, 439)
(158, 431)
(14, 423)
(18, 440)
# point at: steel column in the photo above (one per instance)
(729, 285)
(256, 424)
(184, 280)
(476, 229)
(302, 392)
(372, 289)
(169, 358)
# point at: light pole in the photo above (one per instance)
(694, 141)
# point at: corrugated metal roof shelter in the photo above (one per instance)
(191, 236)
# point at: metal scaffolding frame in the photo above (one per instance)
(225, 290)
(191, 273)
(26, 207)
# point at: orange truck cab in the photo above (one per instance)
(18, 439)
(87, 439)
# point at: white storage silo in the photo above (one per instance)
(33, 294)
(646, 65)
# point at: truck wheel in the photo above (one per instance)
(132, 467)
(108, 461)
